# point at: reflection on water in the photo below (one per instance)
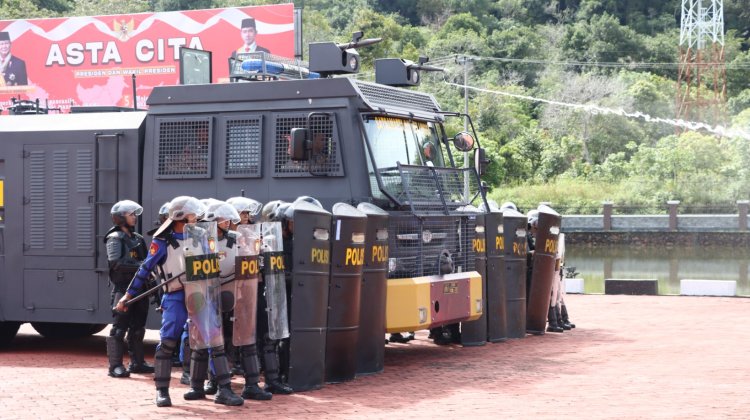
(667, 265)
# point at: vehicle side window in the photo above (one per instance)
(243, 146)
(184, 147)
(326, 152)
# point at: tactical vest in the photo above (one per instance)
(174, 265)
(124, 254)
(227, 250)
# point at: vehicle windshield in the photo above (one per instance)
(399, 140)
(396, 140)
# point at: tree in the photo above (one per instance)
(602, 38)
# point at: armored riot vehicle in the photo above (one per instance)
(337, 139)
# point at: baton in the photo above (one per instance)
(152, 290)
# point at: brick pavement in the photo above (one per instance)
(631, 357)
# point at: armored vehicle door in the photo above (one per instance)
(58, 227)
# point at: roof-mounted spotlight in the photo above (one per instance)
(400, 72)
(329, 58)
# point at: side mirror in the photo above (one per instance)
(299, 144)
(480, 161)
(463, 141)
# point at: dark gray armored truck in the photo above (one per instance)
(367, 143)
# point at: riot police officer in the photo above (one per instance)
(239, 297)
(167, 251)
(248, 209)
(561, 311)
(274, 211)
(532, 221)
(125, 253)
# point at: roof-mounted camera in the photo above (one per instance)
(329, 58)
(400, 72)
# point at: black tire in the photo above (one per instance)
(8, 331)
(66, 330)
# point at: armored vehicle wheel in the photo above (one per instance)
(66, 330)
(8, 330)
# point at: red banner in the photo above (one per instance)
(84, 61)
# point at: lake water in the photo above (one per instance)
(668, 266)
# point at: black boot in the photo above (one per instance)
(195, 392)
(254, 392)
(198, 374)
(271, 364)
(275, 386)
(226, 396)
(186, 356)
(162, 371)
(564, 314)
(552, 321)
(115, 351)
(185, 378)
(251, 367)
(560, 321)
(162, 397)
(137, 354)
(211, 388)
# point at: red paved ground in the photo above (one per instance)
(631, 356)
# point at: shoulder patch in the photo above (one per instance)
(154, 248)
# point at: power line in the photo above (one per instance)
(610, 64)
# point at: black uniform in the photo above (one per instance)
(530, 247)
(125, 253)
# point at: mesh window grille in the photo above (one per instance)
(416, 243)
(428, 189)
(325, 159)
(243, 154)
(184, 148)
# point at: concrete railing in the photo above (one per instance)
(673, 221)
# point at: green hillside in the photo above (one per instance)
(523, 54)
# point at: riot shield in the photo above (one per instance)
(272, 248)
(348, 257)
(309, 304)
(202, 286)
(474, 333)
(514, 272)
(246, 273)
(543, 271)
(496, 311)
(370, 345)
(227, 258)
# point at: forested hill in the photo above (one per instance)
(618, 55)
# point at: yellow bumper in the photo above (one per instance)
(425, 302)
